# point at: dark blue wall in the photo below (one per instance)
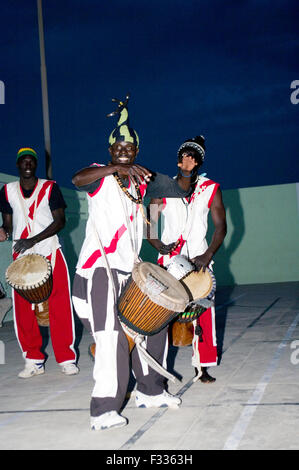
(221, 68)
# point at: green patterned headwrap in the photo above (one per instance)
(123, 132)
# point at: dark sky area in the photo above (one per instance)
(221, 68)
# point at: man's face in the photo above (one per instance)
(123, 152)
(27, 166)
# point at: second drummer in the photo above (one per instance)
(116, 218)
(33, 213)
(185, 221)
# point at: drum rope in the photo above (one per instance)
(133, 237)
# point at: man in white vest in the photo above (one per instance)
(114, 234)
(184, 227)
(33, 213)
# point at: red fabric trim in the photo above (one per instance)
(178, 248)
(161, 260)
(40, 196)
(142, 188)
(5, 190)
(98, 188)
(110, 249)
(213, 194)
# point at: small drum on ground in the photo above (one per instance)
(181, 334)
(42, 313)
(151, 299)
(31, 277)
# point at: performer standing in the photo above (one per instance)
(33, 213)
(185, 222)
(116, 221)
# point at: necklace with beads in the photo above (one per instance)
(137, 200)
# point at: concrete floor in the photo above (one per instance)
(254, 404)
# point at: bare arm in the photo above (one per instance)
(219, 221)
(154, 212)
(58, 223)
(91, 174)
(6, 229)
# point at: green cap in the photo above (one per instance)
(26, 151)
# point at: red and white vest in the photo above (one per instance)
(187, 221)
(115, 223)
(32, 215)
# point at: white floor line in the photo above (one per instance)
(240, 427)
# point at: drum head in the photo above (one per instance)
(179, 267)
(200, 284)
(160, 286)
(28, 270)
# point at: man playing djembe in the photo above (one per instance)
(115, 193)
(33, 213)
(185, 224)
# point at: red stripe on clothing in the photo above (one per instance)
(142, 188)
(98, 189)
(178, 248)
(213, 194)
(110, 249)
(40, 196)
(161, 260)
(6, 195)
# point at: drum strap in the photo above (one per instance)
(138, 340)
(133, 236)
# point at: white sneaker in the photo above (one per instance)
(69, 369)
(157, 401)
(108, 420)
(32, 369)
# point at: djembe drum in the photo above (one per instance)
(201, 287)
(31, 277)
(151, 299)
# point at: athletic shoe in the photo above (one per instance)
(32, 369)
(108, 420)
(69, 369)
(157, 401)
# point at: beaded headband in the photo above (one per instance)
(196, 147)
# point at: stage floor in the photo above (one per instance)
(254, 403)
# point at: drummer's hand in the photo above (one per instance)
(162, 248)
(166, 249)
(202, 261)
(3, 235)
(23, 244)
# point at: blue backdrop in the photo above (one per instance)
(221, 68)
